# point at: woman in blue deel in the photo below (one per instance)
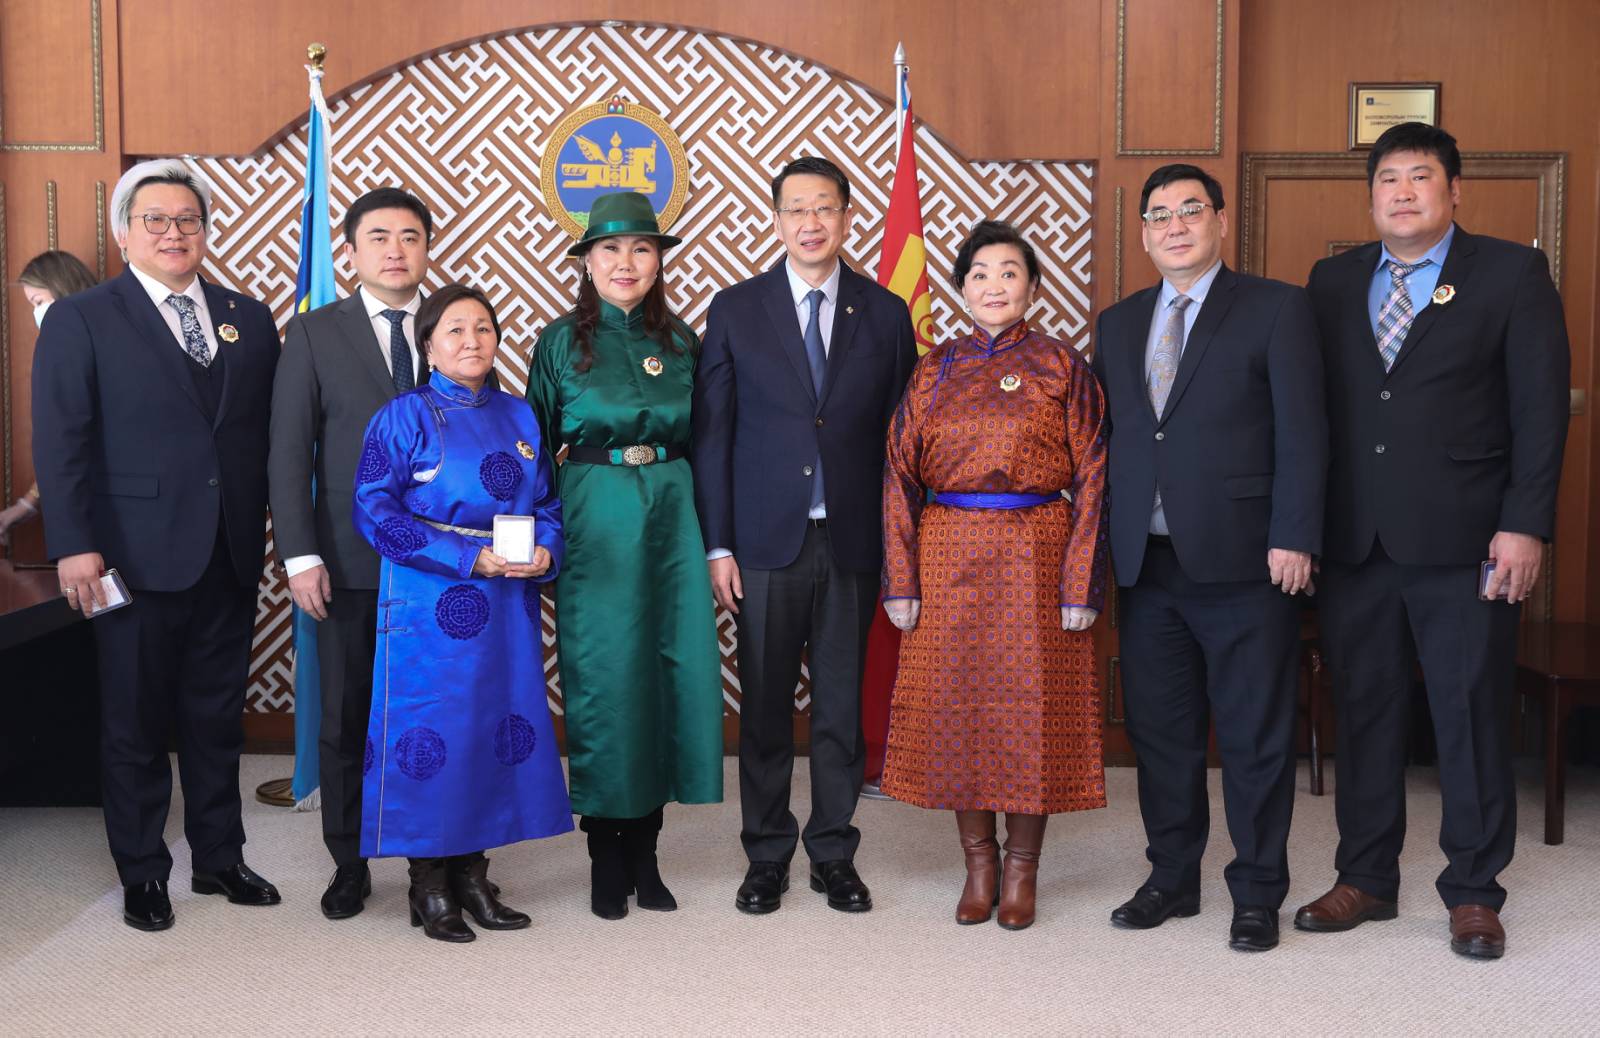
(461, 754)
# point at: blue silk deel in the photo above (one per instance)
(461, 754)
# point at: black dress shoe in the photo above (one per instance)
(348, 891)
(1255, 928)
(242, 886)
(145, 905)
(838, 879)
(1151, 906)
(763, 887)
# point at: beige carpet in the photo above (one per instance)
(69, 967)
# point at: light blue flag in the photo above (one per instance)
(314, 286)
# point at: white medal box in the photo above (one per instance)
(513, 537)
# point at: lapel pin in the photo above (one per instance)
(652, 366)
(1443, 294)
(526, 450)
(849, 309)
(230, 304)
(227, 333)
(1010, 383)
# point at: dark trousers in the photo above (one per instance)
(811, 603)
(346, 643)
(1379, 619)
(175, 660)
(1191, 652)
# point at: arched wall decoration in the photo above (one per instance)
(464, 129)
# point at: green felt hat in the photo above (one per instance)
(622, 212)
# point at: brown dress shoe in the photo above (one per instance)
(1019, 878)
(982, 891)
(1475, 932)
(1343, 908)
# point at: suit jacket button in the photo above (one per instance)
(1161, 435)
(211, 482)
(806, 471)
(819, 423)
(1383, 395)
(1378, 448)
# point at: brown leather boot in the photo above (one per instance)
(1018, 881)
(982, 891)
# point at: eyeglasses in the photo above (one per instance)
(821, 212)
(1156, 219)
(157, 223)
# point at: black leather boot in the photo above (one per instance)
(639, 843)
(608, 867)
(469, 883)
(432, 906)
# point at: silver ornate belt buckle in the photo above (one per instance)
(638, 454)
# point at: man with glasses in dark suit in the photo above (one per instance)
(800, 372)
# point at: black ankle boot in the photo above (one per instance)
(608, 868)
(469, 882)
(432, 906)
(639, 843)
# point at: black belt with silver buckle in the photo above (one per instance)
(638, 454)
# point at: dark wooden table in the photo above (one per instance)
(1560, 663)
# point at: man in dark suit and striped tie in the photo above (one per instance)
(1447, 366)
(341, 363)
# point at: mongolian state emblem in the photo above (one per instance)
(652, 365)
(609, 147)
(227, 333)
(1010, 383)
(524, 449)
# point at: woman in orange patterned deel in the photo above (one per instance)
(995, 567)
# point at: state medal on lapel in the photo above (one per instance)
(1010, 384)
(1443, 294)
(525, 449)
(652, 366)
(227, 333)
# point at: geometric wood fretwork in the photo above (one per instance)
(464, 129)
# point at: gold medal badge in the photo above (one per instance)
(524, 449)
(1010, 384)
(652, 366)
(1443, 294)
(227, 333)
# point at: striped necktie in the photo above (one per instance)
(1395, 315)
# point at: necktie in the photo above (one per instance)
(400, 352)
(1163, 371)
(1395, 315)
(1164, 361)
(818, 359)
(194, 337)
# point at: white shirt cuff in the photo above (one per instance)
(300, 563)
(718, 553)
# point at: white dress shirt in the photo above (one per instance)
(799, 288)
(380, 328)
(169, 313)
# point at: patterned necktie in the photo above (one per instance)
(400, 352)
(818, 359)
(1163, 371)
(194, 337)
(1395, 315)
(1164, 361)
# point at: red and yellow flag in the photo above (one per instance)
(903, 266)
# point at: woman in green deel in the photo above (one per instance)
(640, 670)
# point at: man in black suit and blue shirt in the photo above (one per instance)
(1447, 365)
(1217, 462)
(341, 363)
(799, 374)
(150, 408)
